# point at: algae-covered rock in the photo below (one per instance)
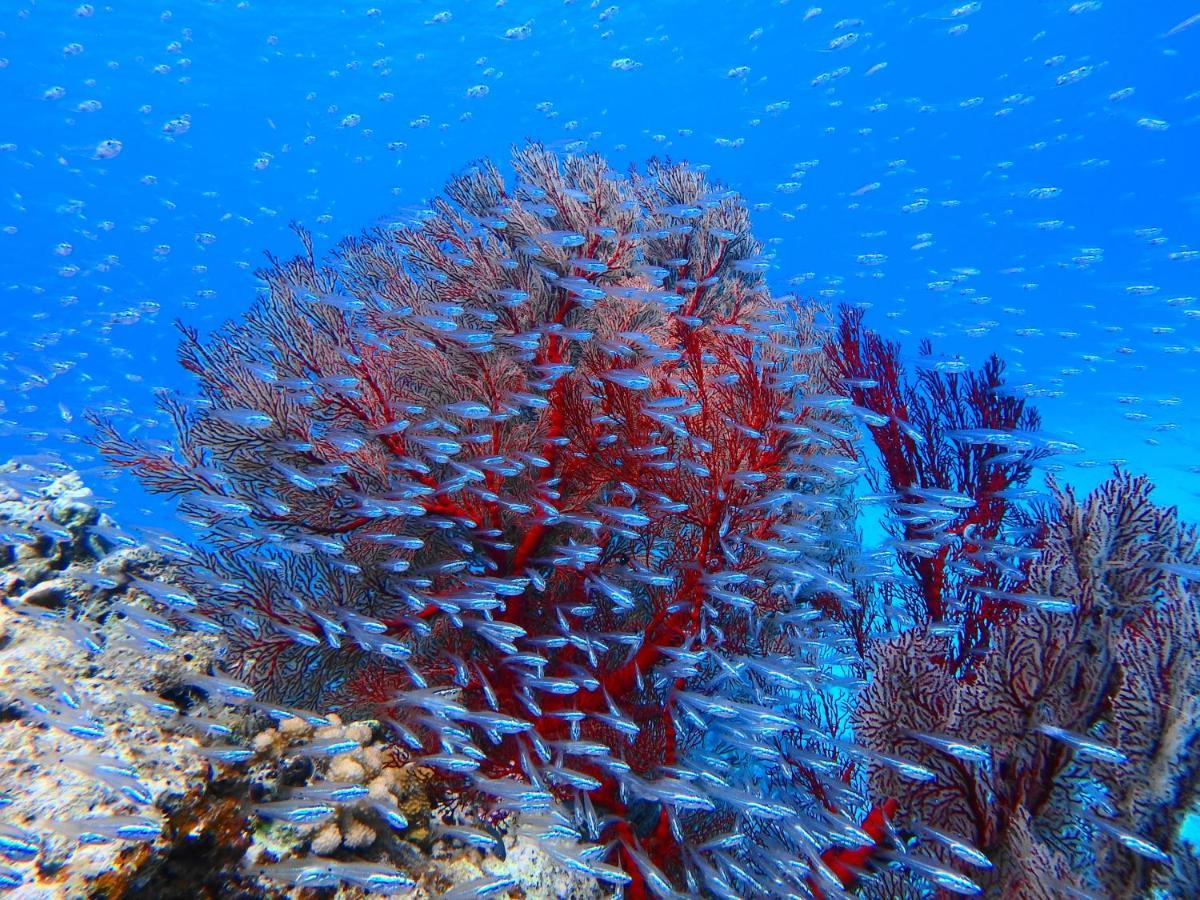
(96, 731)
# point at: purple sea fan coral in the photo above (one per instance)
(1068, 756)
(529, 482)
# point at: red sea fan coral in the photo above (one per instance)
(532, 482)
(954, 452)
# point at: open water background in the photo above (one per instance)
(898, 154)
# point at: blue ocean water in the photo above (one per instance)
(1015, 177)
(1009, 177)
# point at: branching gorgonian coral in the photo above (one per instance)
(1066, 759)
(1033, 666)
(549, 484)
(546, 482)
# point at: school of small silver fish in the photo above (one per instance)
(990, 176)
(1037, 244)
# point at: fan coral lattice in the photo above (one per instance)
(547, 483)
(1087, 717)
(1041, 676)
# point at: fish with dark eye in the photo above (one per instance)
(1085, 747)
(934, 871)
(225, 753)
(451, 763)
(102, 829)
(297, 812)
(957, 846)
(167, 594)
(1135, 842)
(472, 837)
(17, 844)
(243, 418)
(631, 379)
